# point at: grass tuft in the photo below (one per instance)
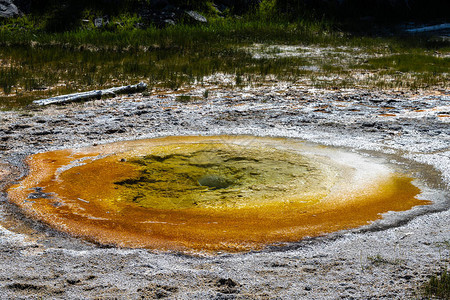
(184, 99)
(379, 260)
(438, 286)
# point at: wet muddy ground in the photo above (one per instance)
(388, 259)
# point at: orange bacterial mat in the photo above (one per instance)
(220, 193)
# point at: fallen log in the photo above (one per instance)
(92, 94)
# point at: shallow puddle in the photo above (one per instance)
(232, 193)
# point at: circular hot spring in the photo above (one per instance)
(220, 193)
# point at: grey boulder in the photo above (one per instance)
(195, 17)
(8, 9)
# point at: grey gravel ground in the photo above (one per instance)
(387, 260)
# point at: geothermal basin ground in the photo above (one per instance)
(387, 259)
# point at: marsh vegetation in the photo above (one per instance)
(35, 63)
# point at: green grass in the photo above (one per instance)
(438, 286)
(9, 77)
(37, 64)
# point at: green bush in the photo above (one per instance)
(267, 9)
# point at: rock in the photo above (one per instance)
(168, 22)
(98, 22)
(101, 21)
(194, 16)
(8, 9)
